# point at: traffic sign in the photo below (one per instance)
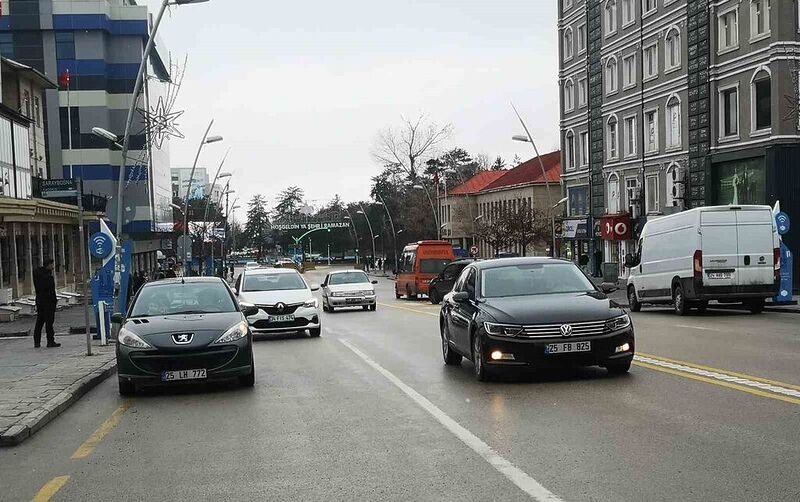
(783, 223)
(473, 250)
(101, 245)
(185, 248)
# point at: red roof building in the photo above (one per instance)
(477, 183)
(530, 172)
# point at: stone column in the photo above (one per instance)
(40, 236)
(14, 269)
(62, 241)
(29, 256)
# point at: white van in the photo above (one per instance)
(725, 253)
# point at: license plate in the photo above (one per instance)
(169, 376)
(281, 318)
(720, 275)
(354, 300)
(563, 348)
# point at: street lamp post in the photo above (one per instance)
(355, 231)
(391, 222)
(205, 211)
(371, 233)
(433, 209)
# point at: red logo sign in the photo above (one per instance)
(616, 228)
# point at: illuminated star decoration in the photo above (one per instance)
(160, 123)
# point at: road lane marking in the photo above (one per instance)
(725, 372)
(409, 309)
(521, 479)
(50, 489)
(749, 386)
(701, 328)
(97, 437)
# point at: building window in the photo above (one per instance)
(610, 15)
(651, 61)
(568, 48)
(611, 75)
(651, 131)
(628, 12)
(65, 45)
(729, 112)
(611, 135)
(629, 71)
(631, 186)
(651, 194)
(629, 132)
(728, 30)
(582, 92)
(672, 50)
(673, 118)
(584, 138)
(613, 193)
(759, 19)
(648, 7)
(578, 200)
(581, 38)
(674, 185)
(7, 45)
(761, 100)
(569, 96)
(570, 147)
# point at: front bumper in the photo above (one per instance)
(350, 301)
(531, 352)
(221, 362)
(304, 318)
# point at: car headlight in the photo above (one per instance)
(235, 332)
(618, 323)
(338, 294)
(502, 329)
(129, 339)
(311, 303)
(367, 293)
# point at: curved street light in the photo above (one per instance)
(355, 232)
(391, 222)
(371, 233)
(433, 209)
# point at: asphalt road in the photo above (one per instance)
(369, 412)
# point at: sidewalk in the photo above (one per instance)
(36, 385)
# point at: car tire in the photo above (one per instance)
(619, 368)
(756, 306)
(482, 373)
(315, 332)
(373, 307)
(451, 357)
(679, 300)
(397, 294)
(324, 308)
(633, 302)
(433, 296)
(126, 387)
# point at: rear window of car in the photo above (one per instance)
(273, 282)
(178, 298)
(348, 278)
(432, 266)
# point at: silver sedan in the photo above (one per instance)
(348, 288)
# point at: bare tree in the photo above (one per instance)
(483, 161)
(411, 145)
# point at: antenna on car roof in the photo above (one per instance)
(182, 280)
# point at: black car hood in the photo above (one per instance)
(552, 309)
(205, 328)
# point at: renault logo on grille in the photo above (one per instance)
(280, 307)
(182, 338)
(566, 330)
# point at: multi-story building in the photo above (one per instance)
(100, 45)
(672, 104)
(180, 182)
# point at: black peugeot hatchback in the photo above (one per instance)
(532, 312)
(184, 331)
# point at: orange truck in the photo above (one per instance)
(421, 262)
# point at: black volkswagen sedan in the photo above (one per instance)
(533, 312)
(184, 331)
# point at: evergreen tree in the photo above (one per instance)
(257, 228)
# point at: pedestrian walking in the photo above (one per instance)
(46, 301)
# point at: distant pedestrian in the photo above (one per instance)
(170, 273)
(46, 301)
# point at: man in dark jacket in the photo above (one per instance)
(46, 301)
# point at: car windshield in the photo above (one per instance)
(348, 278)
(273, 282)
(182, 298)
(533, 279)
(432, 266)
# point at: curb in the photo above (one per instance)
(12, 334)
(18, 433)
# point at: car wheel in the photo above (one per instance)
(315, 332)
(126, 388)
(679, 300)
(249, 380)
(451, 358)
(324, 308)
(756, 306)
(373, 307)
(479, 366)
(433, 296)
(619, 368)
(633, 302)
(409, 295)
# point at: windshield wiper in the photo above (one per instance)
(188, 312)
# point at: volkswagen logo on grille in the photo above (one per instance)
(182, 338)
(280, 307)
(566, 330)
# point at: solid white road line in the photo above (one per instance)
(523, 481)
(701, 328)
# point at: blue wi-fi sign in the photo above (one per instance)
(100, 245)
(783, 223)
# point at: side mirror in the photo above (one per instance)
(117, 318)
(248, 309)
(374, 282)
(460, 296)
(314, 287)
(607, 287)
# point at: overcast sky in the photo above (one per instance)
(299, 90)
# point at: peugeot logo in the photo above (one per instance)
(280, 307)
(182, 338)
(566, 330)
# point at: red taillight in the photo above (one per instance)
(776, 260)
(698, 265)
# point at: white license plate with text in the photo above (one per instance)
(563, 348)
(720, 275)
(169, 376)
(281, 318)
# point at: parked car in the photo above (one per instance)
(443, 283)
(723, 253)
(538, 312)
(251, 264)
(421, 262)
(348, 288)
(183, 330)
(283, 298)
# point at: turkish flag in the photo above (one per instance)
(64, 79)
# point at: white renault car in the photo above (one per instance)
(284, 299)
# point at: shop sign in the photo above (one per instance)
(576, 229)
(616, 228)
